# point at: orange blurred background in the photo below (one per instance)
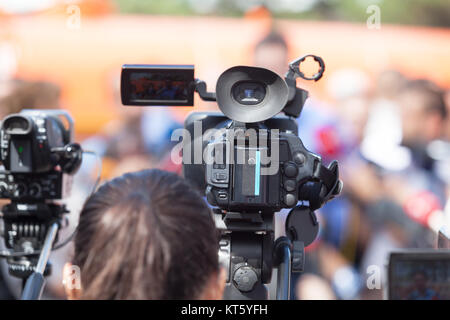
(86, 61)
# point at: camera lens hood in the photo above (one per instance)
(274, 100)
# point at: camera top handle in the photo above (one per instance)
(295, 70)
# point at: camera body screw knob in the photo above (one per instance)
(299, 158)
(245, 278)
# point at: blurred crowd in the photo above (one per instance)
(391, 136)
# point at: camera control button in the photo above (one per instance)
(222, 195)
(221, 176)
(290, 170)
(35, 190)
(4, 188)
(289, 185)
(299, 158)
(20, 190)
(290, 199)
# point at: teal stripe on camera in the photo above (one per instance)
(257, 172)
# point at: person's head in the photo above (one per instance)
(272, 53)
(30, 95)
(423, 112)
(420, 280)
(354, 112)
(389, 83)
(147, 235)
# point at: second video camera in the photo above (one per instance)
(38, 158)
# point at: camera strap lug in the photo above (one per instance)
(298, 256)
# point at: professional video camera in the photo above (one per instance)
(38, 158)
(249, 162)
(419, 274)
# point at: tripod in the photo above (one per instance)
(30, 231)
(248, 252)
(34, 284)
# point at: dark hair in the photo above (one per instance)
(145, 235)
(419, 272)
(31, 95)
(273, 38)
(431, 95)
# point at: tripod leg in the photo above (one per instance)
(283, 259)
(35, 283)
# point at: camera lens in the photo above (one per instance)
(249, 92)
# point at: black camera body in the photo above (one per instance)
(38, 155)
(238, 186)
(234, 184)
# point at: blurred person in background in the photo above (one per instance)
(422, 290)
(313, 287)
(383, 133)
(271, 52)
(447, 125)
(318, 130)
(345, 229)
(139, 135)
(25, 94)
(424, 119)
(8, 61)
(422, 98)
(135, 242)
(409, 194)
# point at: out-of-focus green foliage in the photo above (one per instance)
(170, 7)
(416, 12)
